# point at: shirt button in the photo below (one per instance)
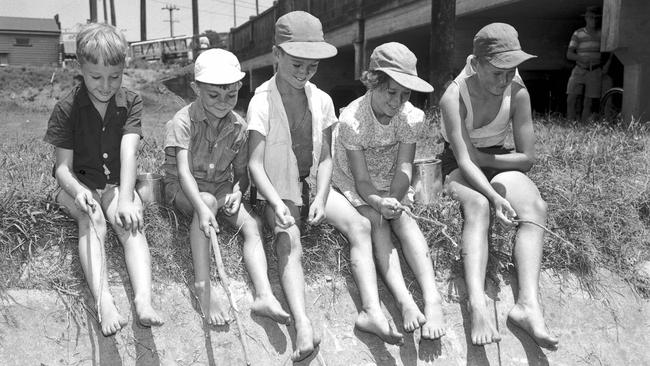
(211, 166)
(105, 156)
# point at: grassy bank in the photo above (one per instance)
(594, 178)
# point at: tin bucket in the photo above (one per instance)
(149, 187)
(427, 180)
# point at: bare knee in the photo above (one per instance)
(358, 230)
(210, 201)
(536, 208)
(287, 243)
(477, 209)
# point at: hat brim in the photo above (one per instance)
(509, 59)
(309, 50)
(408, 81)
(223, 78)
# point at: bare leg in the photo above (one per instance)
(524, 197)
(388, 263)
(587, 108)
(91, 238)
(289, 251)
(571, 100)
(138, 262)
(476, 209)
(356, 229)
(265, 303)
(417, 255)
(205, 290)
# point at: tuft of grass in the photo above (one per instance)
(594, 178)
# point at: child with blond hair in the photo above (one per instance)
(95, 130)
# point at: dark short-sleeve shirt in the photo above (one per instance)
(214, 150)
(75, 124)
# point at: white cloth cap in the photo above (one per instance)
(217, 66)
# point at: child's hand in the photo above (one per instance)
(129, 216)
(390, 208)
(316, 212)
(85, 202)
(283, 217)
(504, 212)
(207, 220)
(233, 201)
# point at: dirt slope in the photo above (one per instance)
(613, 329)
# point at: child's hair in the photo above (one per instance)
(374, 79)
(101, 42)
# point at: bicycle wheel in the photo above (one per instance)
(611, 105)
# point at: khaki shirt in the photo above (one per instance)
(214, 150)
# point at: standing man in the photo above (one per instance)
(586, 76)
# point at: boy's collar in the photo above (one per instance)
(119, 97)
(197, 113)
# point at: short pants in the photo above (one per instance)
(449, 163)
(585, 82)
(173, 189)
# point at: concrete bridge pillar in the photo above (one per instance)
(625, 31)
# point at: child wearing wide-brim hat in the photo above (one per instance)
(290, 122)
(373, 159)
(479, 109)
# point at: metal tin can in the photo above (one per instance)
(427, 180)
(149, 187)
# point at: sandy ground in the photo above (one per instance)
(36, 328)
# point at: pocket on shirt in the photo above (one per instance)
(226, 158)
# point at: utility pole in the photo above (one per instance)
(195, 17)
(112, 7)
(143, 20)
(257, 7)
(441, 47)
(234, 13)
(171, 8)
(93, 11)
(105, 12)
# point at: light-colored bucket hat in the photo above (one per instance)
(399, 63)
(499, 44)
(300, 34)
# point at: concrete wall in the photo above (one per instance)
(43, 49)
(626, 26)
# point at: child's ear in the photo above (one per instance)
(195, 87)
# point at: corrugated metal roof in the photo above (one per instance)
(28, 24)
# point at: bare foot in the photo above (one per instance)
(412, 317)
(209, 301)
(306, 342)
(112, 321)
(270, 307)
(147, 316)
(483, 330)
(374, 321)
(531, 320)
(434, 328)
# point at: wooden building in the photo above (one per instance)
(29, 41)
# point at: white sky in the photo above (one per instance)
(216, 15)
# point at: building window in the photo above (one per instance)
(23, 42)
(4, 59)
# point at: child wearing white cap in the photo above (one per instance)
(290, 122)
(373, 159)
(479, 109)
(206, 154)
